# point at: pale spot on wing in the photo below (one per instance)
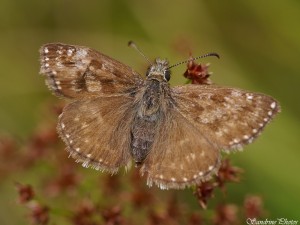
(70, 52)
(249, 96)
(84, 125)
(59, 64)
(103, 66)
(202, 154)
(236, 140)
(190, 157)
(235, 93)
(246, 137)
(182, 142)
(273, 105)
(204, 120)
(93, 85)
(76, 89)
(81, 53)
(193, 156)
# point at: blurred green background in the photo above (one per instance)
(259, 45)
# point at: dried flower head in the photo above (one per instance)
(253, 207)
(204, 192)
(226, 215)
(39, 213)
(228, 173)
(25, 191)
(197, 73)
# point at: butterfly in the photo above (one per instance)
(174, 135)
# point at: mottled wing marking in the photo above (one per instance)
(229, 117)
(80, 72)
(181, 156)
(97, 134)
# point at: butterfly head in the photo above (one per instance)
(159, 70)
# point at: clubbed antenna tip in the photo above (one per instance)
(133, 45)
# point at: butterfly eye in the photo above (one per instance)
(167, 75)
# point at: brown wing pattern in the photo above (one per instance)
(97, 134)
(228, 117)
(181, 156)
(79, 72)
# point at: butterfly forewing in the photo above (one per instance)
(181, 155)
(229, 117)
(97, 134)
(80, 72)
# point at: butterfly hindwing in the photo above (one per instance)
(181, 155)
(96, 134)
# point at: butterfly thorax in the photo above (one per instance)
(149, 111)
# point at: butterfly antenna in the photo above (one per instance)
(198, 57)
(133, 45)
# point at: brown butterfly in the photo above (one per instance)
(173, 134)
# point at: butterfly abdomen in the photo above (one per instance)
(142, 137)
